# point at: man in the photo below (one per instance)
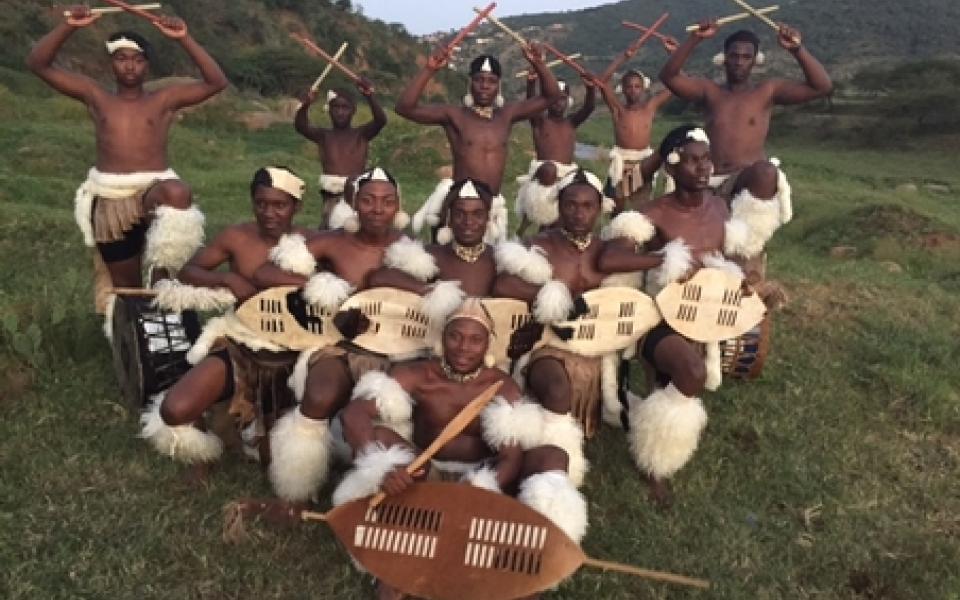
(300, 441)
(460, 265)
(168, 423)
(554, 139)
(501, 451)
(478, 132)
(131, 127)
(738, 112)
(688, 228)
(343, 148)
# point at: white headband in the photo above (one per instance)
(123, 42)
(286, 181)
(592, 180)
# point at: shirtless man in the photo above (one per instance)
(479, 132)
(131, 126)
(555, 139)
(393, 414)
(300, 441)
(168, 423)
(689, 228)
(738, 112)
(343, 148)
(632, 162)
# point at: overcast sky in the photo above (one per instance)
(429, 16)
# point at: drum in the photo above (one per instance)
(743, 357)
(149, 347)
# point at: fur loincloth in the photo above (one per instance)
(333, 184)
(625, 170)
(584, 375)
(119, 203)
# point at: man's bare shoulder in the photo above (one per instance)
(410, 373)
(236, 234)
(508, 388)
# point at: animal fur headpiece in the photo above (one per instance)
(673, 143)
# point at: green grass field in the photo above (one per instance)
(833, 476)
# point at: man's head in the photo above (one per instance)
(580, 202)
(466, 337)
(685, 152)
(740, 52)
(633, 84)
(275, 193)
(342, 106)
(484, 82)
(469, 204)
(561, 104)
(376, 200)
(129, 57)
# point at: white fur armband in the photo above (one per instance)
(327, 290)
(393, 402)
(372, 465)
(752, 223)
(506, 423)
(632, 225)
(441, 301)
(291, 254)
(553, 302)
(529, 264)
(409, 256)
(178, 297)
(676, 262)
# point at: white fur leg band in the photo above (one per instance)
(752, 223)
(291, 254)
(665, 429)
(177, 297)
(372, 465)
(564, 432)
(485, 478)
(554, 496)
(553, 302)
(393, 403)
(300, 449)
(529, 264)
(327, 290)
(184, 443)
(409, 256)
(507, 424)
(173, 237)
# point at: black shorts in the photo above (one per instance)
(129, 246)
(229, 388)
(650, 341)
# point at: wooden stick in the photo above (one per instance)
(568, 61)
(326, 70)
(452, 430)
(516, 36)
(758, 14)
(134, 10)
(656, 34)
(457, 39)
(550, 65)
(648, 33)
(646, 573)
(127, 291)
(108, 10)
(736, 17)
(309, 45)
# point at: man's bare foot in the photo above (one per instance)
(660, 492)
(385, 592)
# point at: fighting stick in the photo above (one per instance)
(736, 17)
(107, 10)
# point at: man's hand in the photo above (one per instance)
(670, 44)
(789, 38)
(438, 60)
(308, 97)
(351, 322)
(534, 54)
(173, 27)
(523, 339)
(365, 86)
(396, 481)
(705, 30)
(80, 16)
(240, 287)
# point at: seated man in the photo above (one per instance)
(300, 441)
(169, 422)
(501, 451)
(690, 228)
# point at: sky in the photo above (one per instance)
(420, 17)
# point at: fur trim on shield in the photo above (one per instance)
(291, 254)
(553, 495)
(372, 465)
(227, 326)
(409, 256)
(393, 402)
(676, 262)
(177, 297)
(715, 260)
(430, 211)
(184, 443)
(485, 478)
(529, 264)
(632, 225)
(173, 237)
(553, 302)
(564, 432)
(340, 214)
(441, 301)
(665, 430)
(300, 456)
(507, 424)
(327, 290)
(714, 366)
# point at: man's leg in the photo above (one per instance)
(550, 385)
(760, 179)
(546, 487)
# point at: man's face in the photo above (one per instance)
(129, 67)
(739, 60)
(376, 203)
(274, 210)
(468, 220)
(484, 88)
(465, 343)
(693, 171)
(559, 106)
(341, 112)
(579, 208)
(632, 87)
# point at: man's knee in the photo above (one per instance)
(177, 409)
(170, 192)
(547, 173)
(762, 179)
(327, 389)
(690, 375)
(550, 385)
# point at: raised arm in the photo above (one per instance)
(201, 270)
(408, 104)
(379, 120)
(549, 88)
(301, 120)
(660, 98)
(589, 103)
(41, 57)
(213, 79)
(672, 75)
(817, 82)
(617, 62)
(609, 97)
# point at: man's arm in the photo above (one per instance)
(609, 97)
(549, 88)
(589, 103)
(379, 120)
(660, 98)
(689, 88)
(616, 63)
(408, 104)
(201, 270)
(817, 84)
(511, 286)
(180, 96)
(41, 57)
(620, 256)
(301, 120)
(395, 278)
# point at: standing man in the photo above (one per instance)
(131, 126)
(479, 131)
(343, 148)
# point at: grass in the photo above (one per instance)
(833, 476)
